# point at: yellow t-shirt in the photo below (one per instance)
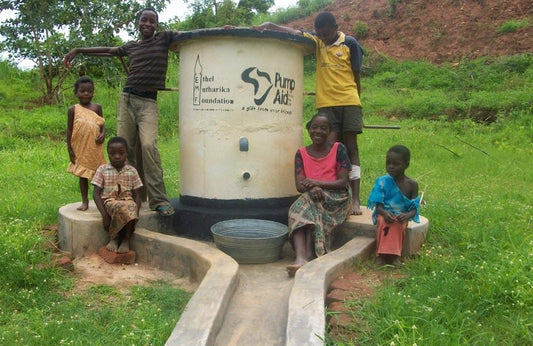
(335, 80)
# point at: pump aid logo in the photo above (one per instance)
(262, 84)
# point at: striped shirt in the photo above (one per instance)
(148, 61)
(109, 179)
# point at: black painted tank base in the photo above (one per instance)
(195, 216)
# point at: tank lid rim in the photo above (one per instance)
(242, 32)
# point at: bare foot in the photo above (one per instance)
(124, 247)
(397, 262)
(356, 208)
(83, 207)
(293, 268)
(112, 245)
(357, 211)
(380, 261)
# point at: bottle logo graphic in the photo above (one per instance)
(197, 82)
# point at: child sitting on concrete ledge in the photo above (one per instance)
(116, 195)
(395, 201)
(321, 175)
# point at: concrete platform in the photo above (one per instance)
(292, 309)
(82, 233)
(361, 225)
(306, 320)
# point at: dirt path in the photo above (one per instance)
(353, 286)
(93, 270)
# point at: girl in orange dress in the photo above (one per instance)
(85, 136)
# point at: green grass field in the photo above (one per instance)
(472, 284)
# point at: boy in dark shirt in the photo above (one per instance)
(138, 112)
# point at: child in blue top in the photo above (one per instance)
(395, 201)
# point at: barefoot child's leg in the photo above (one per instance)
(84, 188)
(356, 206)
(125, 235)
(310, 244)
(350, 140)
(299, 241)
(124, 246)
(112, 245)
(396, 260)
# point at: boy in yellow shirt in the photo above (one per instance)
(339, 62)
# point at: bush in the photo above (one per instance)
(391, 11)
(360, 29)
(512, 26)
(303, 9)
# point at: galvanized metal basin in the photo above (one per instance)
(250, 240)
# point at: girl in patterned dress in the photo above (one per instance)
(85, 136)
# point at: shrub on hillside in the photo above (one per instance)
(512, 26)
(360, 29)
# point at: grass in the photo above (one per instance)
(102, 315)
(470, 285)
(472, 282)
(512, 26)
(25, 88)
(482, 89)
(38, 304)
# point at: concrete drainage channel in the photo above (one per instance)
(203, 320)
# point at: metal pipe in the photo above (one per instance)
(385, 127)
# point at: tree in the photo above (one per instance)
(43, 31)
(203, 15)
(249, 8)
(213, 13)
(257, 6)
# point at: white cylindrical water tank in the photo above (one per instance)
(240, 115)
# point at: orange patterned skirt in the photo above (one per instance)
(122, 211)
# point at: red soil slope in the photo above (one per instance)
(437, 31)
